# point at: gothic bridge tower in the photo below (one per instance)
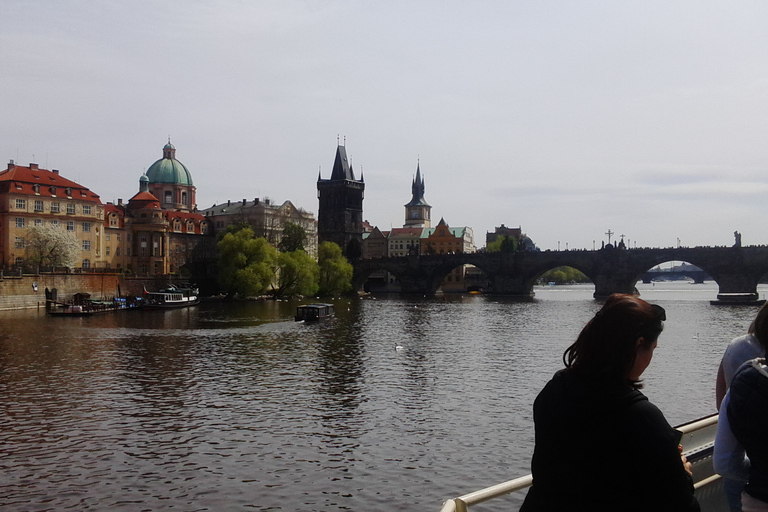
(340, 213)
(417, 212)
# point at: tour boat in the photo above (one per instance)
(171, 297)
(314, 312)
(698, 445)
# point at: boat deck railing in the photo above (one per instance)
(698, 443)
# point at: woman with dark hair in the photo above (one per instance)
(600, 444)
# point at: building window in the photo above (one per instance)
(86, 245)
(86, 263)
(168, 197)
(38, 205)
(86, 227)
(184, 198)
(190, 227)
(53, 190)
(21, 204)
(70, 208)
(55, 207)
(177, 225)
(19, 244)
(68, 192)
(55, 223)
(70, 225)
(36, 188)
(143, 268)
(86, 209)
(108, 237)
(107, 251)
(20, 222)
(39, 222)
(19, 261)
(117, 251)
(204, 228)
(128, 251)
(118, 237)
(113, 220)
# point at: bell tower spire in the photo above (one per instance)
(418, 211)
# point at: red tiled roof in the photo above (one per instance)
(22, 180)
(143, 200)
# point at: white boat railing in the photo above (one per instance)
(698, 440)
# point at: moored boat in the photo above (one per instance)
(314, 312)
(87, 307)
(171, 297)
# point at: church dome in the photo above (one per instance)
(168, 169)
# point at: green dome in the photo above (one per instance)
(168, 169)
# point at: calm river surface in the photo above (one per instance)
(238, 407)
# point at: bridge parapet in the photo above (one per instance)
(737, 270)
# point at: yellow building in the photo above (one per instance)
(33, 196)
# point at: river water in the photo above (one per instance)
(238, 407)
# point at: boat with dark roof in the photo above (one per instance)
(314, 312)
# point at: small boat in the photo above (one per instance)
(171, 297)
(314, 312)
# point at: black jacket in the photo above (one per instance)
(601, 445)
(748, 417)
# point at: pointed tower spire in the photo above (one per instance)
(418, 211)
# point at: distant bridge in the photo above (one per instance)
(698, 276)
(736, 270)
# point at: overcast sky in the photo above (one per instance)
(648, 118)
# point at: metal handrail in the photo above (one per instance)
(462, 503)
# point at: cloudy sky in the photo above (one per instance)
(648, 118)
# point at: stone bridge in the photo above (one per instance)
(737, 270)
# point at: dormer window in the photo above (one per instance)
(68, 192)
(36, 188)
(53, 191)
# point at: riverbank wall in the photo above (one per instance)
(28, 291)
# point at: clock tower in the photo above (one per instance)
(417, 212)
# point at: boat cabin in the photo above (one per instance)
(314, 312)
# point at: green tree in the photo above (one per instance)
(564, 275)
(245, 264)
(335, 270)
(53, 246)
(503, 244)
(233, 228)
(293, 239)
(297, 274)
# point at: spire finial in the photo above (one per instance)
(337, 139)
(345, 141)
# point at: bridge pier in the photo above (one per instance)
(608, 284)
(737, 290)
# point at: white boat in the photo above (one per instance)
(698, 444)
(171, 297)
